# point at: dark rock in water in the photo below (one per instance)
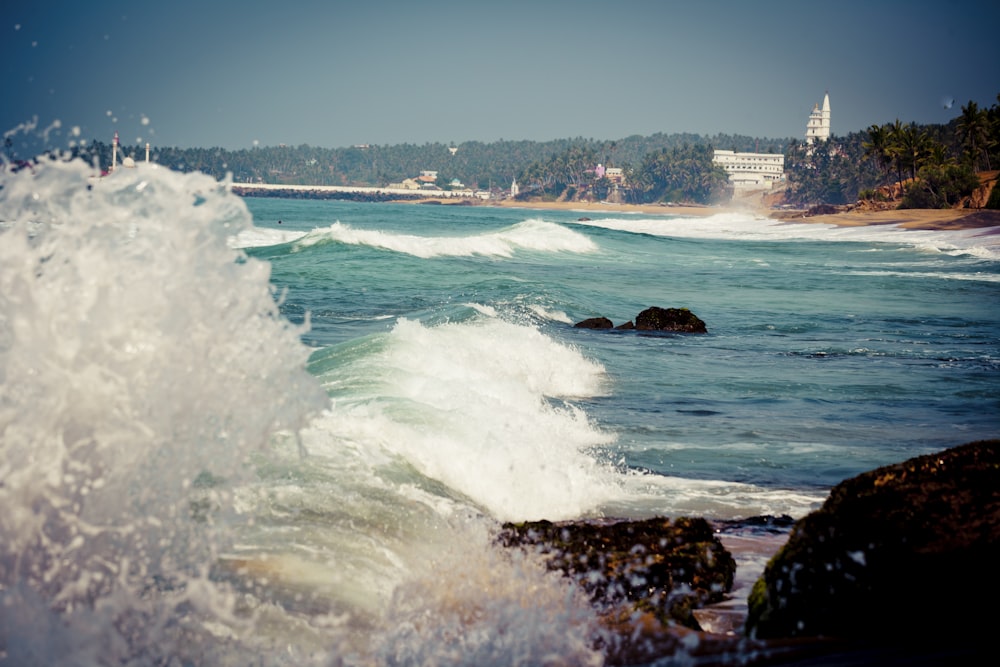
(584, 219)
(904, 553)
(658, 567)
(652, 319)
(595, 323)
(669, 319)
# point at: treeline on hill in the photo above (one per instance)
(665, 164)
(920, 166)
(904, 166)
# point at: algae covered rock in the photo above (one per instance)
(902, 552)
(656, 566)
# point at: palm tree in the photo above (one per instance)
(877, 147)
(974, 129)
(913, 147)
(894, 149)
(938, 156)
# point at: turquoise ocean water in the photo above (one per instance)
(340, 407)
(830, 351)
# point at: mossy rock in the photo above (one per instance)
(905, 551)
(657, 566)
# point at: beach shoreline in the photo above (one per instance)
(921, 219)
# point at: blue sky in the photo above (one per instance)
(238, 74)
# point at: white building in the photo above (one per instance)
(615, 175)
(751, 171)
(818, 128)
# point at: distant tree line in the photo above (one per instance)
(546, 168)
(929, 165)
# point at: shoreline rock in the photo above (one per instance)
(902, 554)
(663, 567)
(897, 567)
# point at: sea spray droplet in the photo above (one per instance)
(138, 353)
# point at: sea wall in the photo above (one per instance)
(352, 193)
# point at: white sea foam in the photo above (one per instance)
(553, 315)
(748, 227)
(142, 361)
(258, 237)
(528, 235)
(484, 406)
(646, 495)
(935, 275)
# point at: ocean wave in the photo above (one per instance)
(745, 226)
(484, 406)
(531, 234)
(143, 362)
(934, 275)
(262, 237)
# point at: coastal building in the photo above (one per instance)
(818, 127)
(751, 171)
(405, 184)
(614, 174)
(514, 189)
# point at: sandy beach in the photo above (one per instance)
(938, 219)
(941, 219)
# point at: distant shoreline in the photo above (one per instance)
(926, 219)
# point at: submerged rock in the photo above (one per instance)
(657, 567)
(903, 553)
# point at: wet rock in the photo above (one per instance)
(595, 323)
(669, 319)
(657, 567)
(903, 553)
(652, 319)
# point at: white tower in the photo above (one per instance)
(818, 128)
(514, 189)
(114, 153)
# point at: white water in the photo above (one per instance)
(530, 235)
(150, 396)
(469, 404)
(157, 419)
(751, 227)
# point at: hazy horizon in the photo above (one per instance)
(333, 74)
